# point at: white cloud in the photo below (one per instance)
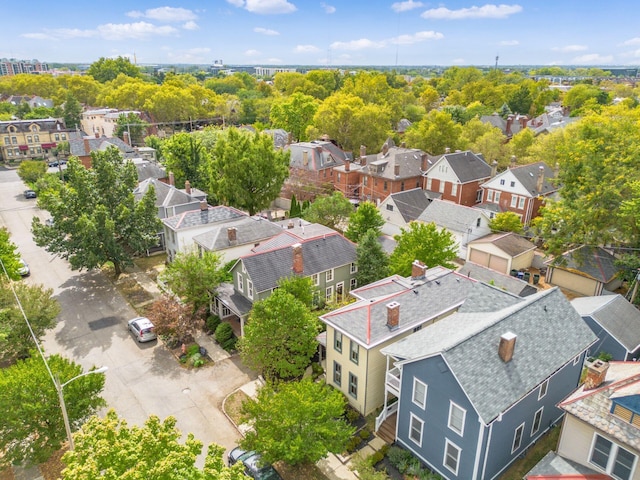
(191, 26)
(509, 43)
(593, 58)
(360, 44)
(265, 31)
(406, 6)
(38, 36)
(165, 14)
(138, 30)
(252, 53)
(328, 8)
(570, 48)
(306, 49)
(458, 61)
(416, 37)
(264, 7)
(485, 11)
(631, 42)
(60, 34)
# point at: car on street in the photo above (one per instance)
(53, 164)
(29, 194)
(142, 329)
(253, 467)
(23, 269)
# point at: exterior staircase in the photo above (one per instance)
(387, 430)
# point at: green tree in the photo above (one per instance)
(366, 217)
(300, 287)
(72, 111)
(186, 156)
(30, 171)
(108, 448)
(294, 114)
(332, 211)
(246, 171)
(434, 133)
(107, 69)
(31, 424)
(521, 100)
(9, 256)
(194, 276)
(96, 218)
(506, 222)
(372, 260)
(295, 210)
(132, 124)
(297, 422)
(38, 305)
(280, 337)
(424, 242)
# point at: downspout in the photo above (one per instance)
(476, 463)
(486, 451)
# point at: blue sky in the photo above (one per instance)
(326, 33)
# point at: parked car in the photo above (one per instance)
(55, 163)
(142, 329)
(24, 270)
(253, 467)
(29, 194)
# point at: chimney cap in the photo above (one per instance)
(392, 304)
(508, 335)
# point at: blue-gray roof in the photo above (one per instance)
(411, 203)
(320, 155)
(468, 166)
(166, 195)
(510, 243)
(249, 230)
(527, 175)
(78, 147)
(555, 466)
(615, 314)
(198, 218)
(383, 165)
(593, 262)
(449, 215)
(506, 282)
(318, 255)
(549, 333)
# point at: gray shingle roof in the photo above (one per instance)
(510, 243)
(409, 161)
(78, 146)
(527, 175)
(594, 262)
(549, 334)
(249, 230)
(318, 254)
(45, 124)
(468, 166)
(594, 406)
(554, 465)
(449, 215)
(198, 218)
(166, 195)
(411, 203)
(320, 154)
(615, 314)
(506, 282)
(148, 170)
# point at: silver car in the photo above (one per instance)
(142, 329)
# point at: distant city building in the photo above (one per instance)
(271, 71)
(12, 66)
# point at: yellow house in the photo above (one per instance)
(30, 139)
(385, 312)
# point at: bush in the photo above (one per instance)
(193, 350)
(351, 414)
(399, 458)
(212, 323)
(225, 337)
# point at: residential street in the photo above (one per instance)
(143, 379)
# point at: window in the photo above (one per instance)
(29, 139)
(337, 373)
(454, 189)
(478, 196)
(250, 288)
(329, 275)
(328, 294)
(315, 278)
(354, 268)
(354, 351)
(428, 183)
(365, 181)
(353, 385)
(57, 137)
(36, 138)
(353, 284)
(457, 415)
(339, 291)
(14, 140)
(521, 203)
(7, 141)
(496, 197)
(517, 438)
(576, 360)
(451, 457)
(402, 186)
(338, 177)
(543, 389)
(537, 420)
(478, 221)
(415, 429)
(502, 181)
(337, 341)
(389, 207)
(64, 136)
(384, 186)
(513, 184)
(419, 396)
(441, 188)
(240, 282)
(490, 196)
(34, 128)
(514, 201)
(612, 458)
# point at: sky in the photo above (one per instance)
(325, 33)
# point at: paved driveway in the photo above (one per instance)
(143, 379)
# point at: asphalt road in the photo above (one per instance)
(142, 379)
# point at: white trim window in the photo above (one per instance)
(419, 394)
(354, 268)
(416, 426)
(353, 283)
(496, 197)
(240, 282)
(328, 293)
(337, 341)
(517, 437)
(514, 201)
(537, 420)
(544, 386)
(457, 416)
(428, 184)
(612, 458)
(521, 203)
(454, 189)
(315, 279)
(451, 458)
(250, 289)
(329, 275)
(489, 195)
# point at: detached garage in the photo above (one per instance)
(502, 252)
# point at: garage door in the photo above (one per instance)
(498, 264)
(478, 257)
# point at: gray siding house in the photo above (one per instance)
(477, 388)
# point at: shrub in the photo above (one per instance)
(352, 414)
(193, 350)
(316, 370)
(225, 337)
(212, 323)
(364, 434)
(399, 457)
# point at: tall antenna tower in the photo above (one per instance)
(497, 57)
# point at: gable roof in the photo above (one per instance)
(198, 218)
(554, 467)
(383, 165)
(166, 195)
(318, 255)
(468, 341)
(147, 169)
(527, 177)
(506, 282)
(449, 215)
(320, 154)
(510, 243)
(411, 203)
(81, 147)
(293, 231)
(249, 230)
(466, 165)
(592, 262)
(615, 314)
(594, 406)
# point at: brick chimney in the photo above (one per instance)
(305, 158)
(596, 374)
(418, 270)
(232, 235)
(87, 147)
(347, 166)
(393, 315)
(513, 162)
(204, 206)
(396, 170)
(187, 187)
(298, 264)
(385, 148)
(363, 152)
(290, 225)
(494, 168)
(125, 138)
(540, 180)
(172, 179)
(424, 165)
(507, 346)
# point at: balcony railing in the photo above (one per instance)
(386, 413)
(393, 380)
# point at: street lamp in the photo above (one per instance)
(63, 406)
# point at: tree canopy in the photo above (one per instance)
(372, 260)
(96, 217)
(506, 222)
(9, 256)
(294, 114)
(107, 69)
(297, 422)
(332, 211)
(366, 217)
